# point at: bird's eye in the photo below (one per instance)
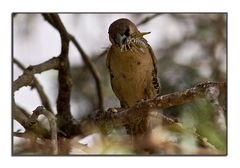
(127, 32)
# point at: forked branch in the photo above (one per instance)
(52, 122)
(27, 78)
(36, 84)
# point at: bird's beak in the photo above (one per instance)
(144, 33)
(120, 39)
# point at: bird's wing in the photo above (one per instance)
(153, 57)
(156, 82)
(108, 60)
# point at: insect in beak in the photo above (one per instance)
(120, 39)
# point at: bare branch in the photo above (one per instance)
(23, 119)
(56, 22)
(64, 78)
(141, 110)
(92, 69)
(19, 116)
(38, 86)
(20, 135)
(98, 56)
(147, 19)
(19, 64)
(27, 114)
(27, 77)
(121, 117)
(52, 122)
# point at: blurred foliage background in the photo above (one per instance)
(190, 48)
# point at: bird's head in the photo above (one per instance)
(125, 35)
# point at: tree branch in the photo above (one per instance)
(64, 116)
(147, 19)
(52, 122)
(27, 78)
(92, 69)
(23, 119)
(55, 21)
(38, 86)
(141, 109)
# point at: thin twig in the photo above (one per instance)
(26, 79)
(149, 18)
(19, 116)
(52, 122)
(19, 64)
(92, 69)
(20, 134)
(27, 114)
(43, 97)
(100, 55)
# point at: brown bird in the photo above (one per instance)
(131, 63)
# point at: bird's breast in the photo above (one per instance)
(131, 73)
(129, 64)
